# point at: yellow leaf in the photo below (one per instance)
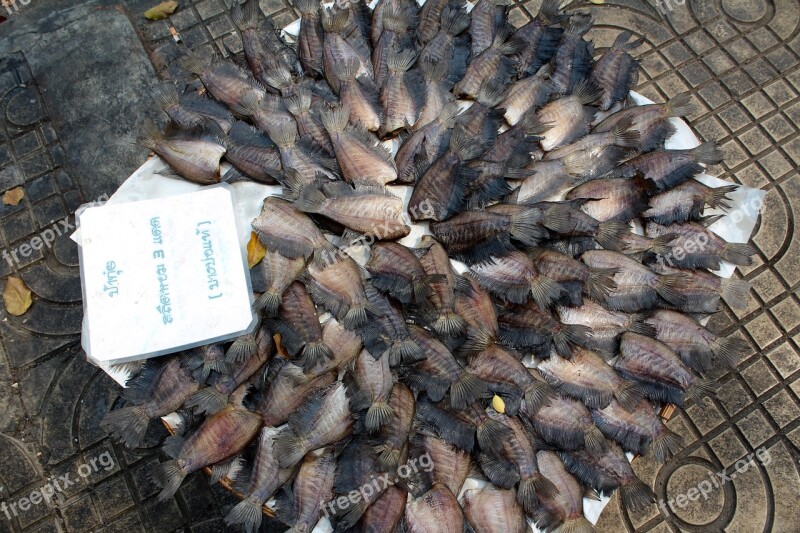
(13, 196)
(498, 404)
(16, 296)
(598, 2)
(162, 10)
(255, 250)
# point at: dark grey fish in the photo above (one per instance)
(395, 433)
(704, 291)
(493, 510)
(278, 272)
(397, 271)
(301, 334)
(668, 168)
(426, 145)
(338, 286)
(445, 49)
(442, 317)
(605, 199)
(225, 81)
(430, 19)
(514, 278)
(190, 110)
(659, 369)
(336, 49)
(541, 35)
(697, 247)
(487, 17)
(386, 335)
(569, 115)
(616, 72)
(263, 48)
(311, 489)
(284, 229)
(305, 158)
(437, 94)
(358, 94)
(358, 469)
(397, 19)
(252, 154)
(193, 155)
(369, 384)
(607, 326)
(309, 41)
(495, 63)
(687, 202)
(308, 121)
(563, 512)
(436, 511)
(568, 424)
(400, 96)
(563, 269)
(205, 359)
(573, 61)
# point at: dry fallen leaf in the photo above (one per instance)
(16, 296)
(13, 196)
(597, 2)
(498, 404)
(162, 10)
(255, 250)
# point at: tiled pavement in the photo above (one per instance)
(67, 140)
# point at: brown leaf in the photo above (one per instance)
(162, 10)
(16, 296)
(255, 250)
(13, 196)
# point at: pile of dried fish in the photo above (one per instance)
(533, 188)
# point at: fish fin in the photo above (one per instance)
(611, 234)
(223, 469)
(669, 287)
(544, 290)
(246, 16)
(172, 446)
(234, 175)
(355, 317)
(149, 134)
(478, 339)
(197, 61)
(625, 135)
(525, 226)
(550, 12)
(623, 42)
(247, 514)
(334, 20)
(576, 525)
(309, 198)
(300, 102)
(433, 70)
(164, 95)
(169, 476)
(422, 287)
(283, 133)
(636, 495)
(289, 449)
(243, 348)
(448, 323)
(513, 401)
(307, 7)
(347, 69)
(701, 388)
(351, 515)
(729, 350)
(401, 61)
(454, 19)
(662, 245)
(207, 400)
(600, 282)
(666, 444)
(707, 154)
(314, 353)
(397, 18)
(718, 197)
(661, 130)
(579, 24)
(629, 395)
(570, 334)
(378, 415)
(638, 324)
(406, 352)
(586, 92)
(537, 395)
(738, 253)
(269, 302)
(335, 119)
(680, 105)
(594, 441)
(463, 146)
(448, 428)
(500, 471)
(388, 457)
(532, 488)
(736, 292)
(466, 390)
(492, 434)
(127, 425)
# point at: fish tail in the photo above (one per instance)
(334, 20)
(269, 302)
(207, 400)
(600, 282)
(128, 425)
(401, 61)
(307, 7)
(537, 395)
(397, 19)
(350, 516)
(666, 444)
(434, 70)
(455, 19)
(463, 146)
(586, 92)
(466, 390)
(662, 245)
(378, 415)
(570, 334)
(299, 103)
(284, 133)
(246, 15)
(197, 62)
(315, 353)
(701, 388)
(550, 12)
(355, 317)
(247, 105)
(169, 476)
(347, 69)
(388, 457)
(576, 525)
(639, 324)
(422, 287)
(289, 449)
(623, 42)
(544, 290)
(736, 292)
(335, 119)
(738, 253)
(149, 135)
(718, 197)
(220, 366)
(729, 350)
(407, 352)
(594, 441)
(247, 514)
(478, 339)
(680, 106)
(611, 234)
(625, 135)
(242, 349)
(165, 95)
(309, 199)
(449, 323)
(669, 287)
(449, 113)
(707, 154)
(532, 488)
(525, 226)
(636, 495)
(629, 395)
(492, 434)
